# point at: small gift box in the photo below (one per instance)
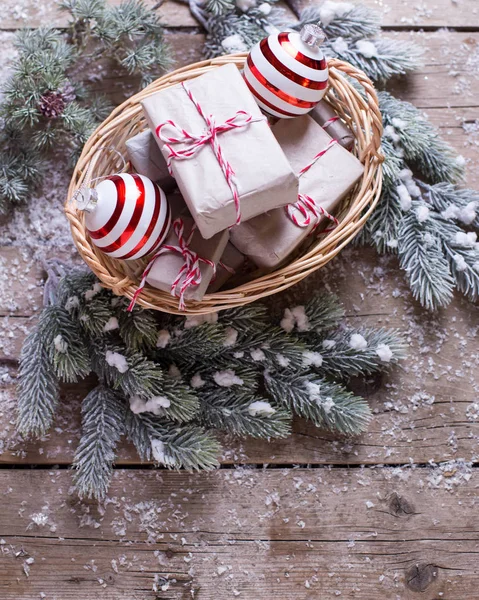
(229, 265)
(324, 115)
(147, 159)
(186, 262)
(326, 172)
(221, 151)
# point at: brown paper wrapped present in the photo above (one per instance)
(147, 159)
(223, 155)
(326, 171)
(324, 115)
(187, 262)
(229, 265)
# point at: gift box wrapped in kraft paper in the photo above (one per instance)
(221, 151)
(147, 159)
(187, 262)
(230, 264)
(325, 116)
(326, 172)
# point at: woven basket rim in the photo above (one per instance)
(361, 111)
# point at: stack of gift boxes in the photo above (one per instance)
(242, 189)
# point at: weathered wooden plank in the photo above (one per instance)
(425, 409)
(399, 14)
(366, 534)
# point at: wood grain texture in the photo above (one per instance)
(366, 534)
(402, 14)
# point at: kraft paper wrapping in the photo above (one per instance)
(270, 238)
(338, 130)
(146, 158)
(167, 266)
(265, 178)
(233, 259)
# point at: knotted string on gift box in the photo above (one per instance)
(190, 273)
(193, 143)
(306, 206)
(330, 121)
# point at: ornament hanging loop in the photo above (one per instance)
(312, 35)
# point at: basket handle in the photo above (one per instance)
(371, 103)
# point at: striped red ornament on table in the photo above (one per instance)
(127, 216)
(287, 73)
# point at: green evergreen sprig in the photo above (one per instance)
(158, 388)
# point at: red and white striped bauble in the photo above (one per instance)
(127, 216)
(287, 72)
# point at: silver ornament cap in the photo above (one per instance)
(312, 35)
(87, 199)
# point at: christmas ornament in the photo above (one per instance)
(127, 216)
(287, 72)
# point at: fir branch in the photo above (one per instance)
(460, 204)
(354, 22)
(379, 58)
(422, 259)
(184, 404)
(38, 389)
(66, 349)
(384, 224)
(353, 352)
(419, 140)
(187, 447)
(137, 328)
(234, 412)
(324, 403)
(103, 415)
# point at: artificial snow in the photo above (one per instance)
(340, 45)
(366, 48)
(163, 339)
(390, 133)
(358, 342)
(329, 344)
(230, 337)
(406, 176)
(234, 43)
(174, 372)
(155, 405)
(196, 381)
(265, 8)
(158, 451)
(195, 320)
(314, 391)
(311, 358)
(60, 344)
(422, 213)
(295, 317)
(468, 240)
(91, 293)
(111, 324)
(245, 5)
(461, 264)
(227, 378)
(260, 408)
(117, 360)
(71, 303)
(384, 352)
(329, 11)
(405, 200)
(257, 354)
(282, 361)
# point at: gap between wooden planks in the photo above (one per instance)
(423, 411)
(368, 534)
(403, 14)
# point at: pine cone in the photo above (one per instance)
(51, 104)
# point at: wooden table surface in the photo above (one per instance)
(393, 514)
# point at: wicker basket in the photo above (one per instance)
(127, 120)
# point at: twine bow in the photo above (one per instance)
(190, 273)
(306, 206)
(193, 143)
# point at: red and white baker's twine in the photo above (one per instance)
(190, 273)
(306, 206)
(329, 122)
(193, 143)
